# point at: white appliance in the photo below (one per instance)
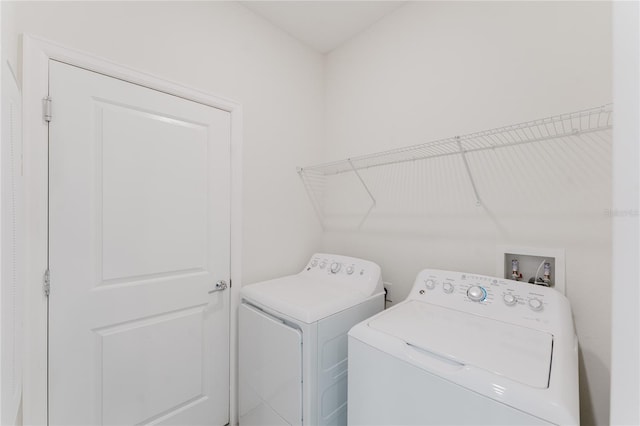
(466, 349)
(293, 341)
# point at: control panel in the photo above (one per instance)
(337, 265)
(492, 297)
(333, 267)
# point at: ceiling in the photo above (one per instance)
(323, 25)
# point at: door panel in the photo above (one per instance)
(139, 233)
(151, 359)
(162, 181)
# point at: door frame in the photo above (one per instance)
(37, 52)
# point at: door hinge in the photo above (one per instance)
(46, 283)
(46, 108)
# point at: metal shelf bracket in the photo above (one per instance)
(463, 153)
(366, 188)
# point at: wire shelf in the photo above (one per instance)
(555, 127)
(589, 120)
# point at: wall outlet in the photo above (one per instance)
(529, 264)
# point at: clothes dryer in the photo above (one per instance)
(293, 341)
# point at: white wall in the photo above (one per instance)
(433, 70)
(625, 339)
(224, 49)
(12, 243)
(11, 249)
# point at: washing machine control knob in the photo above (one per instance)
(535, 304)
(510, 299)
(447, 288)
(314, 263)
(430, 284)
(350, 269)
(477, 293)
(323, 264)
(335, 267)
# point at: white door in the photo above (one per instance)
(139, 234)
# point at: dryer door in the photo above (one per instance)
(270, 369)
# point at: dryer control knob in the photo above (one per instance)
(430, 284)
(447, 287)
(535, 304)
(510, 299)
(335, 267)
(477, 293)
(350, 269)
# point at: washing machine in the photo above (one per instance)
(293, 341)
(466, 349)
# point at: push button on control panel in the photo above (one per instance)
(510, 299)
(535, 304)
(447, 288)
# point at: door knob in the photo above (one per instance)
(220, 285)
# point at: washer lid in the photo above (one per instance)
(304, 298)
(519, 353)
